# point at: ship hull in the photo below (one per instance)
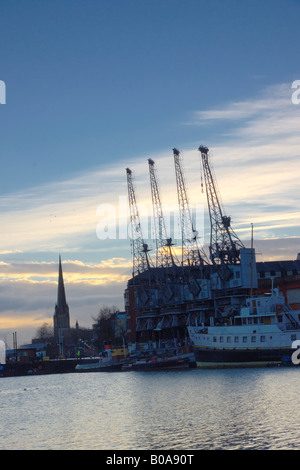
(111, 366)
(231, 358)
(155, 364)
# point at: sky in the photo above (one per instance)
(91, 87)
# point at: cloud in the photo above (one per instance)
(271, 99)
(55, 216)
(257, 165)
(74, 271)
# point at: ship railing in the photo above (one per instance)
(292, 326)
(289, 314)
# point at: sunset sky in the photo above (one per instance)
(95, 86)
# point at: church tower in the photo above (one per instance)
(61, 317)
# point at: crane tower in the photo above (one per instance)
(141, 258)
(165, 256)
(224, 243)
(192, 255)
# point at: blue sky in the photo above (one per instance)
(95, 86)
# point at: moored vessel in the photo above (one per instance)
(105, 363)
(263, 332)
(161, 363)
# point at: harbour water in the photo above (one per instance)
(175, 410)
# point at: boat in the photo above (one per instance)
(160, 363)
(263, 332)
(105, 363)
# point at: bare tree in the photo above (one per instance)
(45, 333)
(105, 325)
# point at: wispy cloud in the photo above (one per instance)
(271, 99)
(258, 164)
(74, 271)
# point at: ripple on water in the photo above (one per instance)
(234, 409)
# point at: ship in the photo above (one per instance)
(105, 363)
(263, 332)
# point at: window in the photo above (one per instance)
(228, 339)
(244, 339)
(221, 339)
(262, 339)
(236, 339)
(214, 339)
(293, 337)
(253, 339)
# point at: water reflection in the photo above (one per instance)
(188, 410)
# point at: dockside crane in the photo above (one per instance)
(192, 255)
(224, 245)
(165, 255)
(140, 251)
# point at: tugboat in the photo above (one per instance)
(264, 332)
(105, 363)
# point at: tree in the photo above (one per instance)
(45, 333)
(105, 325)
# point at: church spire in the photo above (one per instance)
(61, 294)
(61, 317)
